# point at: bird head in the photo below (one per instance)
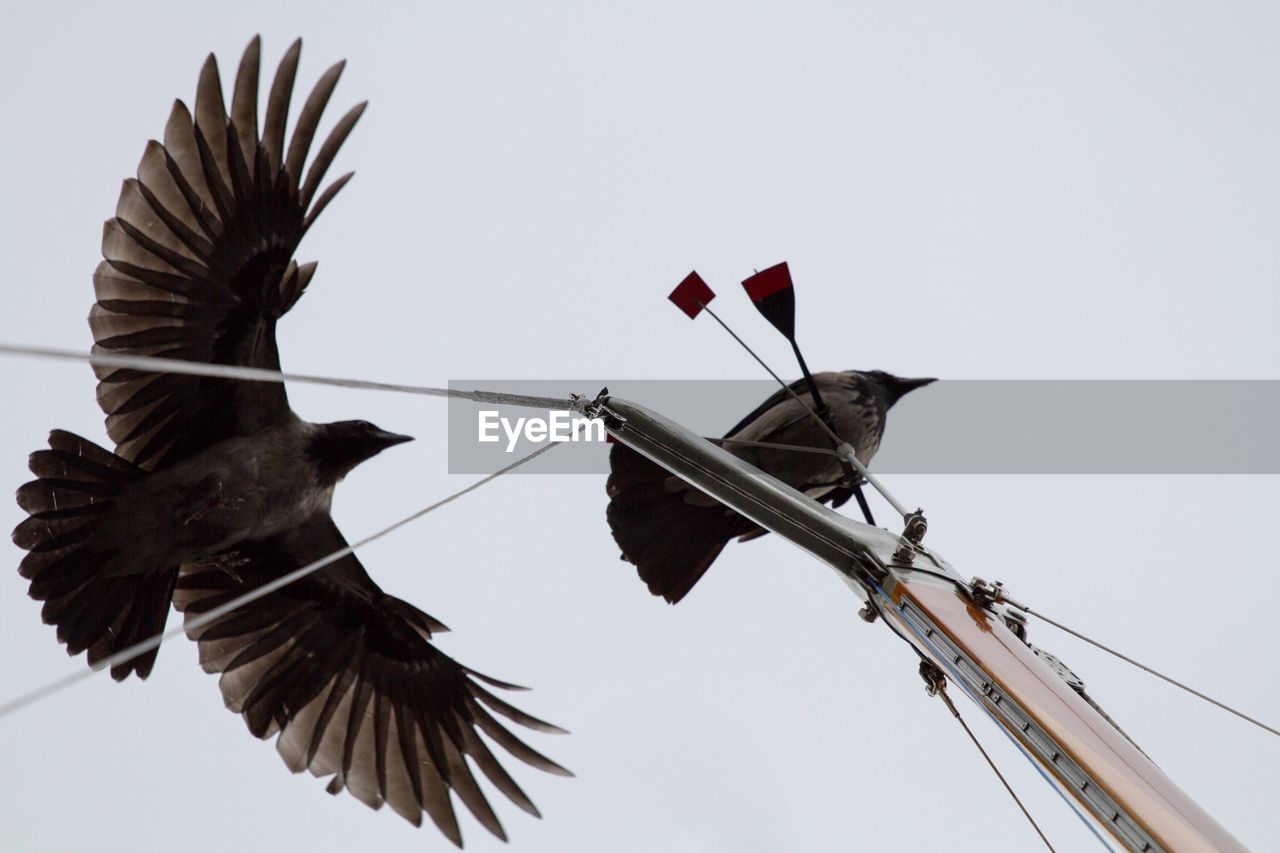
(340, 446)
(895, 387)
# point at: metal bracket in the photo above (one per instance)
(935, 681)
(599, 409)
(988, 594)
(596, 408)
(985, 595)
(1016, 622)
(913, 532)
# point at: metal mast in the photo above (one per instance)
(960, 628)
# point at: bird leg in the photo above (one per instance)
(205, 497)
(862, 501)
(225, 562)
(851, 474)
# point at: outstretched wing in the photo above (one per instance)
(348, 677)
(198, 261)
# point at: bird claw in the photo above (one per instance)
(215, 501)
(226, 569)
(225, 563)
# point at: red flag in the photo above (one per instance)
(768, 282)
(692, 295)
(774, 297)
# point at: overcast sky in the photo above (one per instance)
(1002, 191)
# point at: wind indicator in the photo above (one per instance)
(773, 293)
(774, 296)
(692, 295)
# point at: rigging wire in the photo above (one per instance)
(769, 445)
(154, 364)
(216, 613)
(967, 590)
(955, 712)
(877, 607)
(1146, 668)
(843, 449)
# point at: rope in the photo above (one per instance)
(843, 450)
(955, 712)
(259, 374)
(1147, 669)
(216, 613)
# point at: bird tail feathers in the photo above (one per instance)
(671, 541)
(76, 483)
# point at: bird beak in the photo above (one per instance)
(902, 387)
(390, 439)
(908, 385)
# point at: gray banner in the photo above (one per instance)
(950, 427)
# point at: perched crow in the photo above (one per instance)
(673, 532)
(216, 487)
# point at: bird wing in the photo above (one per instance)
(198, 261)
(800, 386)
(348, 677)
(784, 420)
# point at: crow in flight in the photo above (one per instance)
(216, 486)
(673, 532)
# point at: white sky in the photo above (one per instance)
(999, 191)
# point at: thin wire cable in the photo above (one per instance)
(955, 712)
(153, 364)
(1147, 669)
(216, 613)
(879, 609)
(769, 445)
(880, 600)
(841, 444)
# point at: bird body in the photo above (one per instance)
(216, 487)
(858, 407)
(243, 488)
(673, 532)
